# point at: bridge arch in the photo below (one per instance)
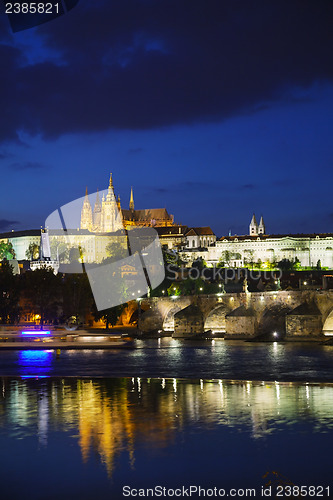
(273, 319)
(169, 318)
(215, 319)
(328, 324)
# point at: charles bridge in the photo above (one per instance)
(304, 314)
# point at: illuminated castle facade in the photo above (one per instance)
(108, 216)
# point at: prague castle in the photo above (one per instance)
(105, 218)
(108, 216)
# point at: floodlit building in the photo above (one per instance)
(246, 250)
(108, 215)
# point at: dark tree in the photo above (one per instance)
(9, 294)
(77, 297)
(115, 282)
(42, 290)
(109, 316)
(285, 265)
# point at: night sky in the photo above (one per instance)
(213, 109)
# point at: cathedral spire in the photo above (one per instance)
(131, 203)
(86, 213)
(111, 183)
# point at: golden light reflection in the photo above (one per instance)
(115, 416)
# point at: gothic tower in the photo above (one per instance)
(131, 203)
(111, 219)
(253, 226)
(86, 214)
(261, 228)
(97, 214)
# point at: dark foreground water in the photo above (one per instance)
(168, 414)
(83, 439)
(186, 359)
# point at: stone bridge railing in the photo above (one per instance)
(292, 314)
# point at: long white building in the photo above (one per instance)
(234, 251)
(257, 246)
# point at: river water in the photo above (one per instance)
(167, 414)
(186, 359)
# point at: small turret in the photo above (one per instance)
(261, 228)
(253, 226)
(111, 182)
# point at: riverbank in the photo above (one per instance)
(48, 339)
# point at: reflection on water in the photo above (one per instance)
(109, 417)
(37, 361)
(182, 359)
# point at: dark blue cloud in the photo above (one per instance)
(27, 166)
(7, 224)
(142, 65)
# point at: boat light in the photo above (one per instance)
(36, 333)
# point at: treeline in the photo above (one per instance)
(52, 299)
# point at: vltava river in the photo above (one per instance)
(74, 438)
(174, 358)
(166, 414)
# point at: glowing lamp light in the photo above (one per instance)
(37, 333)
(275, 334)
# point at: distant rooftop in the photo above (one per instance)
(274, 236)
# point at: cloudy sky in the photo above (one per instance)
(213, 109)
